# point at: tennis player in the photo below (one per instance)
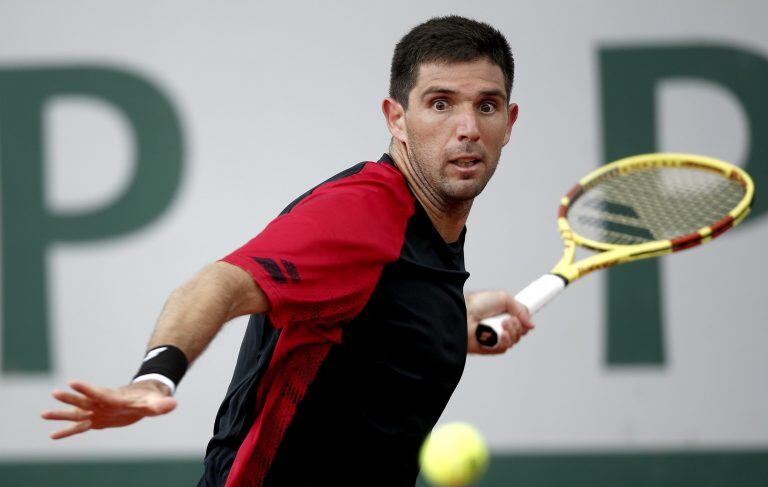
(359, 326)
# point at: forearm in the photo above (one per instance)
(196, 311)
(190, 319)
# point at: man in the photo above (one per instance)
(359, 327)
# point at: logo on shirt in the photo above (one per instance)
(276, 273)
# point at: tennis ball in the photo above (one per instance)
(453, 455)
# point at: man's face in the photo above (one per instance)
(456, 123)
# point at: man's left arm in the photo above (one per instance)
(484, 304)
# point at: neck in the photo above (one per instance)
(448, 217)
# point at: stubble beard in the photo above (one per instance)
(437, 186)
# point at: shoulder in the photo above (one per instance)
(365, 187)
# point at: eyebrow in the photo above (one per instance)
(439, 89)
(494, 92)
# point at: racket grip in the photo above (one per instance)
(534, 297)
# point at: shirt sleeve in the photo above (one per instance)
(319, 263)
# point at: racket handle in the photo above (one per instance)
(534, 297)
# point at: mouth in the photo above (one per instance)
(467, 161)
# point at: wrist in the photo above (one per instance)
(165, 365)
(157, 382)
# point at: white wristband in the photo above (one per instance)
(160, 378)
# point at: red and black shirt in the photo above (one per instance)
(365, 341)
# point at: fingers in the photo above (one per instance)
(484, 304)
(96, 394)
(136, 397)
(518, 310)
(513, 331)
(90, 397)
(74, 429)
(506, 341)
(74, 414)
(99, 408)
(72, 399)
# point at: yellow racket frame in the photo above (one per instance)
(613, 254)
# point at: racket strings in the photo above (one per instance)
(654, 204)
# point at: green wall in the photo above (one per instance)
(733, 469)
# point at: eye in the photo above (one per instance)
(487, 107)
(440, 105)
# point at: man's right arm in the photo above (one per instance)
(190, 319)
(196, 311)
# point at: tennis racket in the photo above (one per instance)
(636, 208)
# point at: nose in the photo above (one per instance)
(467, 127)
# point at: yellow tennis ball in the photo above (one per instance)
(453, 455)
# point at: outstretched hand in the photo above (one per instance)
(485, 304)
(99, 407)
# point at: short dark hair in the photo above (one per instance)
(447, 39)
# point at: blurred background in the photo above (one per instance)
(141, 140)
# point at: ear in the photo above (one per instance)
(394, 113)
(511, 119)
